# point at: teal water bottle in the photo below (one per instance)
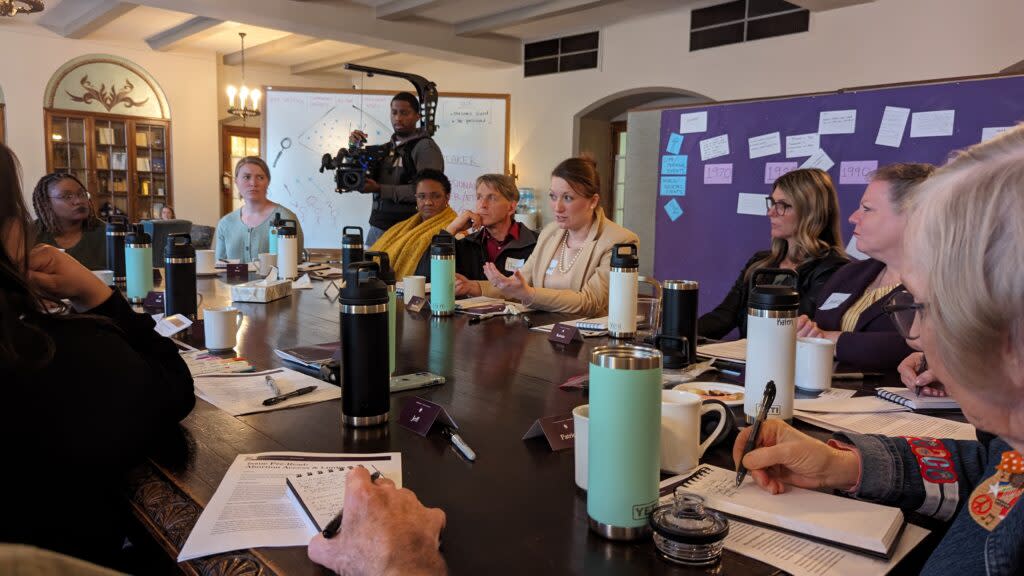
(138, 262)
(272, 240)
(387, 275)
(625, 440)
(442, 275)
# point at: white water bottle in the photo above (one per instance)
(622, 291)
(287, 250)
(772, 309)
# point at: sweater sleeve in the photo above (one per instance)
(720, 321)
(425, 154)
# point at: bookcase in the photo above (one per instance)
(124, 162)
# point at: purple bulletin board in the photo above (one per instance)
(699, 233)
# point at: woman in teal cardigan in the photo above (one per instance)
(245, 233)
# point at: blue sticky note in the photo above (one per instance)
(673, 186)
(675, 143)
(673, 209)
(674, 165)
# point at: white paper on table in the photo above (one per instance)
(800, 145)
(837, 122)
(892, 126)
(693, 122)
(302, 283)
(244, 393)
(891, 424)
(858, 405)
(752, 204)
(928, 124)
(735, 350)
(820, 160)
(765, 145)
(714, 147)
(993, 131)
(252, 508)
(837, 393)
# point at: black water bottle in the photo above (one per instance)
(180, 276)
(365, 375)
(117, 229)
(679, 320)
(351, 246)
(387, 274)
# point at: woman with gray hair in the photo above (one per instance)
(964, 307)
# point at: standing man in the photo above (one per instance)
(410, 151)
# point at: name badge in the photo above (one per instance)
(834, 301)
(513, 264)
(551, 267)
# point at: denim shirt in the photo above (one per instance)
(976, 483)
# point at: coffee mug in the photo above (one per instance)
(814, 358)
(220, 325)
(107, 276)
(681, 414)
(267, 261)
(414, 286)
(205, 261)
(581, 426)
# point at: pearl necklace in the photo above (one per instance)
(561, 259)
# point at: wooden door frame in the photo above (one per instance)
(615, 129)
(226, 132)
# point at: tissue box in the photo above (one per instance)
(261, 291)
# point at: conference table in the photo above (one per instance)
(515, 510)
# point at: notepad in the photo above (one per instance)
(861, 526)
(735, 350)
(906, 397)
(321, 493)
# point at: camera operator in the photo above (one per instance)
(409, 152)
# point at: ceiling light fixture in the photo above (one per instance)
(249, 100)
(14, 7)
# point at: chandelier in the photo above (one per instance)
(248, 100)
(13, 7)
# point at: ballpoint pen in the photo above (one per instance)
(331, 530)
(766, 404)
(921, 368)
(460, 444)
(282, 397)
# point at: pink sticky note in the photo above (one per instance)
(856, 171)
(772, 170)
(718, 173)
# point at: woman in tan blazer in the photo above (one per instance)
(568, 270)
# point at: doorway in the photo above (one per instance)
(237, 142)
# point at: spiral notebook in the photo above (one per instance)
(906, 397)
(856, 525)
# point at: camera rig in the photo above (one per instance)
(352, 165)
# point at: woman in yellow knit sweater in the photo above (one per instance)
(407, 243)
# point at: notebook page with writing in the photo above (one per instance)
(321, 493)
(864, 526)
(906, 397)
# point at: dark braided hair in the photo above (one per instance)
(43, 204)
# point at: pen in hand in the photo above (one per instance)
(921, 368)
(331, 530)
(766, 403)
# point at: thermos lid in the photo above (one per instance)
(352, 238)
(138, 236)
(686, 521)
(443, 244)
(625, 256)
(287, 228)
(277, 220)
(626, 357)
(174, 249)
(363, 286)
(386, 273)
(773, 296)
(680, 285)
(116, 224)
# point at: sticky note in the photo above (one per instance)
(890, 129)
(837, 122)
(673, 186)
(765, 145)
(714, 147)
(674, 165)
(675, 143)
(929, 124)
(772, 170)
(752, 204)
(718, 173)
(819, 160)
(992, 132)
(856, 171)
(673, 209)
(693, 122)
(800, 145)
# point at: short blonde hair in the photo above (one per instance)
(501, 184)
(965, 238)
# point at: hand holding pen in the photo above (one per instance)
(766, 403)
(914, 374)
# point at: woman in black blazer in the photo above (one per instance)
(850, 309)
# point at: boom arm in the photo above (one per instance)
(425, 90)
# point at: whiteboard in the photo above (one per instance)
(300, 126)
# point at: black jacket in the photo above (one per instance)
(732, 312)
(396, 200)
(471, 253)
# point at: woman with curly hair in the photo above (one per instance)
(68, 220)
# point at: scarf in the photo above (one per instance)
(406, 241)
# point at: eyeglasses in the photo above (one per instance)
(901, 307)
(779, 208)
(432, 197)
(72, 196)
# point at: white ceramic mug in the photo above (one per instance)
(681, 414)
(581, 429)
(107, 276)
(414, 286)
(267, 261)
(205, 261)
(220, 326)
(814, 358)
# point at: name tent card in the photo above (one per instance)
(238, 270)
(419, 416)
(565, 334)
(154, 300)
(416, 303)
(558, 430)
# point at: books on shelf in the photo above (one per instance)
(105, 135)
(142, 164)
(142, 139)
(102, 161)
(119, 160)
(157, 164)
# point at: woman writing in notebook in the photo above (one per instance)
(850, 308)
(804, 214)
(568, 269)
(964, 277)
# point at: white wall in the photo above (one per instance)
(32, 55)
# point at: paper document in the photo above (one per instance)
(239, 394)
(764, 145)
(858, 405)
(751, 204)
(891, 424)
(892, 126)
(584, 333)
(820, 160)
(993, 131)
(928, 124)
(837, 122)
(693, 122)
(734, 350)
(714, 147)
(800, 145)
(321, 493)
(252, 506)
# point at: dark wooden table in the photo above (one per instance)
(515, 510)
